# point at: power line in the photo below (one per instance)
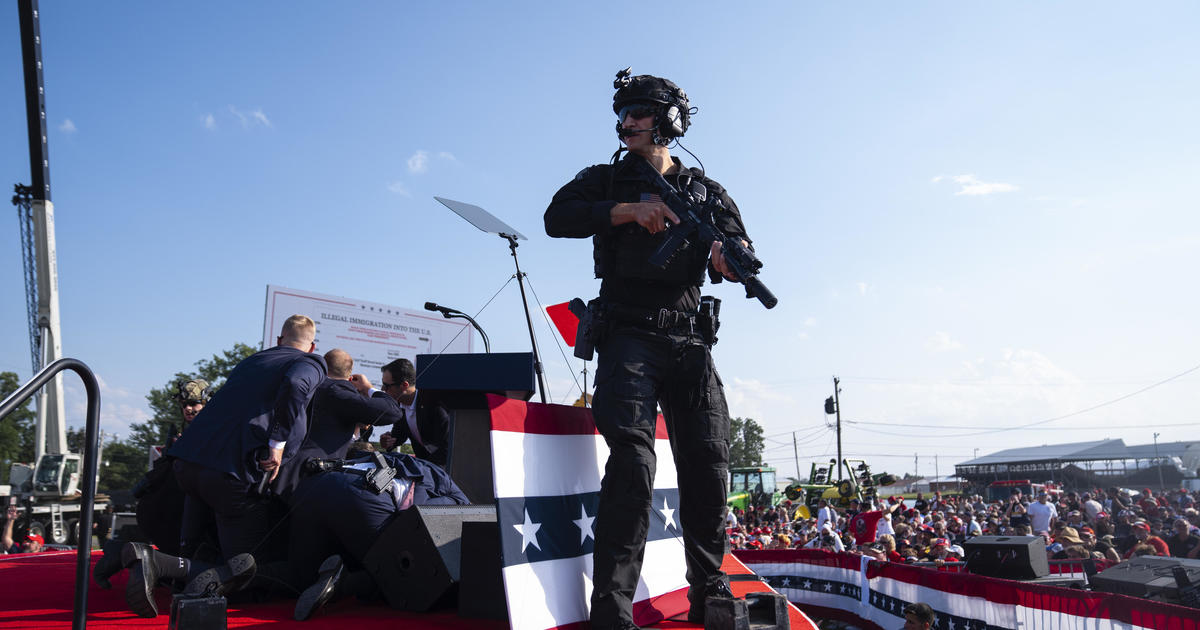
(1065, 416)
(950, 426)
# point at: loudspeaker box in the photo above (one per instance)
(418, 558)
(1007, 557)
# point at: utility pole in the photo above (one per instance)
(916, 469)
(833, 405)
(796, 454)
(1158, 463)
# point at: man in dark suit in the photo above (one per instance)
(426, 422)
(346, 520)
(254, 423)
(339, 407)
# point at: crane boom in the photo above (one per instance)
(51, 429)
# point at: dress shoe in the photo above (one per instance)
(225, 579)
(143, 577)
(321, 592)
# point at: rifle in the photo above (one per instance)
(696, 221)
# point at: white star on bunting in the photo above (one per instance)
(528, 531)
(584, 523)
(668, 515)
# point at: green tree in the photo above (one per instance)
(16, 429)
(167, 418)
(122, 465)
(746, 443)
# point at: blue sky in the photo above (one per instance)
(977, 215)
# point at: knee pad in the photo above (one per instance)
(629, 475)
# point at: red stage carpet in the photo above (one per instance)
(36, 591)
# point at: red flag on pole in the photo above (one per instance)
(564, 320)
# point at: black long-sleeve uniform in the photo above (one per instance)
(640, 367)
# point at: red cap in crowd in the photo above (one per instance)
(35, 538)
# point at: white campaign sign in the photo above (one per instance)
(374, 334)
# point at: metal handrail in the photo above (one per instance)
(91, 465)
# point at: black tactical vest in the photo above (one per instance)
(624, 252)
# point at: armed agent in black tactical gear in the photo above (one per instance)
(653, 332)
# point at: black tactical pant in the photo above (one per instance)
(242, 519)
(639, 369)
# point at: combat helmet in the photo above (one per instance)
(672, 113)
(197, 390)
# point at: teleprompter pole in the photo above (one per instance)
(537, 360)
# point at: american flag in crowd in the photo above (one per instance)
(650, 197)
(547, 462)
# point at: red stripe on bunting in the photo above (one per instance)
(965, 584)
(518, 416)
(1068, 602)
(807, 556)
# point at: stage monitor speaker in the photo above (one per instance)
(417, 559)
(126, 528)
(1007, 557)
(481, 589)
(1146, 577)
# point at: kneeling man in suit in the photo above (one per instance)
(254, 423)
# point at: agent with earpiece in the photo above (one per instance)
(653, 331)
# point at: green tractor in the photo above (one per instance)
(754, 485)
(857, 483)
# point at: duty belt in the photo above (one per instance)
(651, 318)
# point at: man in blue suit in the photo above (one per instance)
(347, 518)
(254, 423)
(339, 407)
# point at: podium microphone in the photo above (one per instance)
(450, 313)
(444, 310)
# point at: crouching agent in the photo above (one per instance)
(346, 505)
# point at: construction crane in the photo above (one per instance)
(36, 215)
(46, 491)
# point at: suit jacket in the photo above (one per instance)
(336, 409)
(433, 423)
(263, 399)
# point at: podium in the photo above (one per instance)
(461, 382)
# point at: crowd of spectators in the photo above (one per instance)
(1109, 525)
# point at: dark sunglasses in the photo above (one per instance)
(637, 110)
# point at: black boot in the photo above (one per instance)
(109, 564)
(143, 577)
(720, 588)
(623, 624)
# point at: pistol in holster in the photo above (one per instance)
(708, 319)
(590, 329)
